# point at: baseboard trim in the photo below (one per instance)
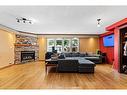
(13, 64)
(6, 66)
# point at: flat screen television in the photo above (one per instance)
(108, 41)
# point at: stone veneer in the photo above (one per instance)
(21, 47)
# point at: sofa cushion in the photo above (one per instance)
(92, 58)
(82, 55)
(75, 54)
(68, 54)
(62, 56)
(81, 61)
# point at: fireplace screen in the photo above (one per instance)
(27, 56)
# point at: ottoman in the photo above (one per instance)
(86, 66)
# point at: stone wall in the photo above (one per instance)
(25, 43)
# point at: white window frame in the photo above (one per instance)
(48, 46)
(75, 46)
(59, 46)
(69, 39)
(70, 44)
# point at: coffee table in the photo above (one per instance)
(50, 63)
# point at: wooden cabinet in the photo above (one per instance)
(123, 50)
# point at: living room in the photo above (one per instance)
(62, 43)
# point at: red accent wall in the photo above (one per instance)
(116, 47)
(115, 27)
(108, 50)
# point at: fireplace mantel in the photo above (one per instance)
(24, 45)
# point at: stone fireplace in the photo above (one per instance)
(26, 49)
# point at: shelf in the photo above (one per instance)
(24, 45)
(124, 41)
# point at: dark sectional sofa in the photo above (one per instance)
(78, 62)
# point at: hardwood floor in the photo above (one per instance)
(32, 76)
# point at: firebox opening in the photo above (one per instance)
(27, 56)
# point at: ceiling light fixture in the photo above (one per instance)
(98, 22)
(18, 20)
(23, 20)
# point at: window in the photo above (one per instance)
(66, 45)
(75, 45)
(50, 44)
(63, 44)
(59, 45)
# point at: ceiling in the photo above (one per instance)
(62, 19)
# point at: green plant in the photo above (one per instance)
(51, 43)
(59, 42)
(66, 42)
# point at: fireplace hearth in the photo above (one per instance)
(27, 56)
